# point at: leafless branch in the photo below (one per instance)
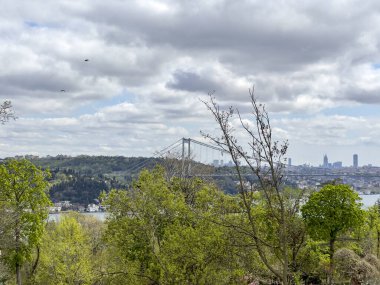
(265, 160)
(6, 112)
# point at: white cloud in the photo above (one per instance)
(151, 61)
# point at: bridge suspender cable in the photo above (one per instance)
(187, 156)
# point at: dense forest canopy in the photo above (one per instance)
(80, 179)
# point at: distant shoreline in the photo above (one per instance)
(99, 215)
(69, 211)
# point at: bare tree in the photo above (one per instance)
(182, 166)
(265, 159)
(6, 112)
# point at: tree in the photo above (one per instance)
(6, 112)
(373, 222)
(267, 225)
(160, 234)
(333, 210)
(359, 270)
(66, 256)
(24, 196)
(6, 221)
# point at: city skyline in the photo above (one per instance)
(336, 163)
(128, 78)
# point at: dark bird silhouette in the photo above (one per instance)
(86, 59)
(63, 90)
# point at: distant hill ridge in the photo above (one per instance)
(80, 179)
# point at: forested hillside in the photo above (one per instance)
(96, 165)
(82, 178)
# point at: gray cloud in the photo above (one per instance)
(260, 36)
(134, 43)
(192, 82)
(363, 96)
(303, 59)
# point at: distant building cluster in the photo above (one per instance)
(68, 206)
(365, 179)
(220, 163)
(338, 164)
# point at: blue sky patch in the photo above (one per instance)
(97, 105)
(36, 25)
(32, 24)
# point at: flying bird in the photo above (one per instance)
(86, 59)
(63, 90)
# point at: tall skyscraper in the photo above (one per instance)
(355, 161)
(289, 161)
(325, 161)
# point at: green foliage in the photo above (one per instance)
(371, 231)
(97, 165)
(80, 179)
(331, 211)
(180, 231)
(162, 231)
(66, 256)
(24, 197)
(78, 188)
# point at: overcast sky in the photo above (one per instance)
(315, 65)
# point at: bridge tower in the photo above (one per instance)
(186, 157)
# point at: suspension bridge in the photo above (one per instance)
(190, 157)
